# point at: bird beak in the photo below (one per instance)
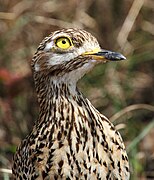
(105, 55)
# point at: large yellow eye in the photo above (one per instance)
(63, 42)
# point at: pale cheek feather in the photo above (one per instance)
(78, 73)
(49, 46)
(73, 76)
(87, 47)
(56, 59)
(37, 67)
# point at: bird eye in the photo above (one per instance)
(63, 42)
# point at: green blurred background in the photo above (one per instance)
(123, 91)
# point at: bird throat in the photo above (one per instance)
(61, 101)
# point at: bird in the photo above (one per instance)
(71, 139)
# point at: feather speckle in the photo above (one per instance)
(70, 139)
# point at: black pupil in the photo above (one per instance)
(63, 41)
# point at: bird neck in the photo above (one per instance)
(57, 95)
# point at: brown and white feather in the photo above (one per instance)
(70, 139)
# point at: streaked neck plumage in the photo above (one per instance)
(57, 95)
(58, 89)
(70, 139)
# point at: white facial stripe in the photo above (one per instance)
(49, 46)
(37, 67)
(59, 58)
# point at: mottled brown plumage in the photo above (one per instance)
(70, 139)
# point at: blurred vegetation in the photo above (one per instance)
(123, 91)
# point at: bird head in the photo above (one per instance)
(70, 53)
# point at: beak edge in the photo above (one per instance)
(99, 54)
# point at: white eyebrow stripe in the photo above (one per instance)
(61, 35)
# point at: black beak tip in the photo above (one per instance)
(121, 57)
(111, 56)
(114, 56)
